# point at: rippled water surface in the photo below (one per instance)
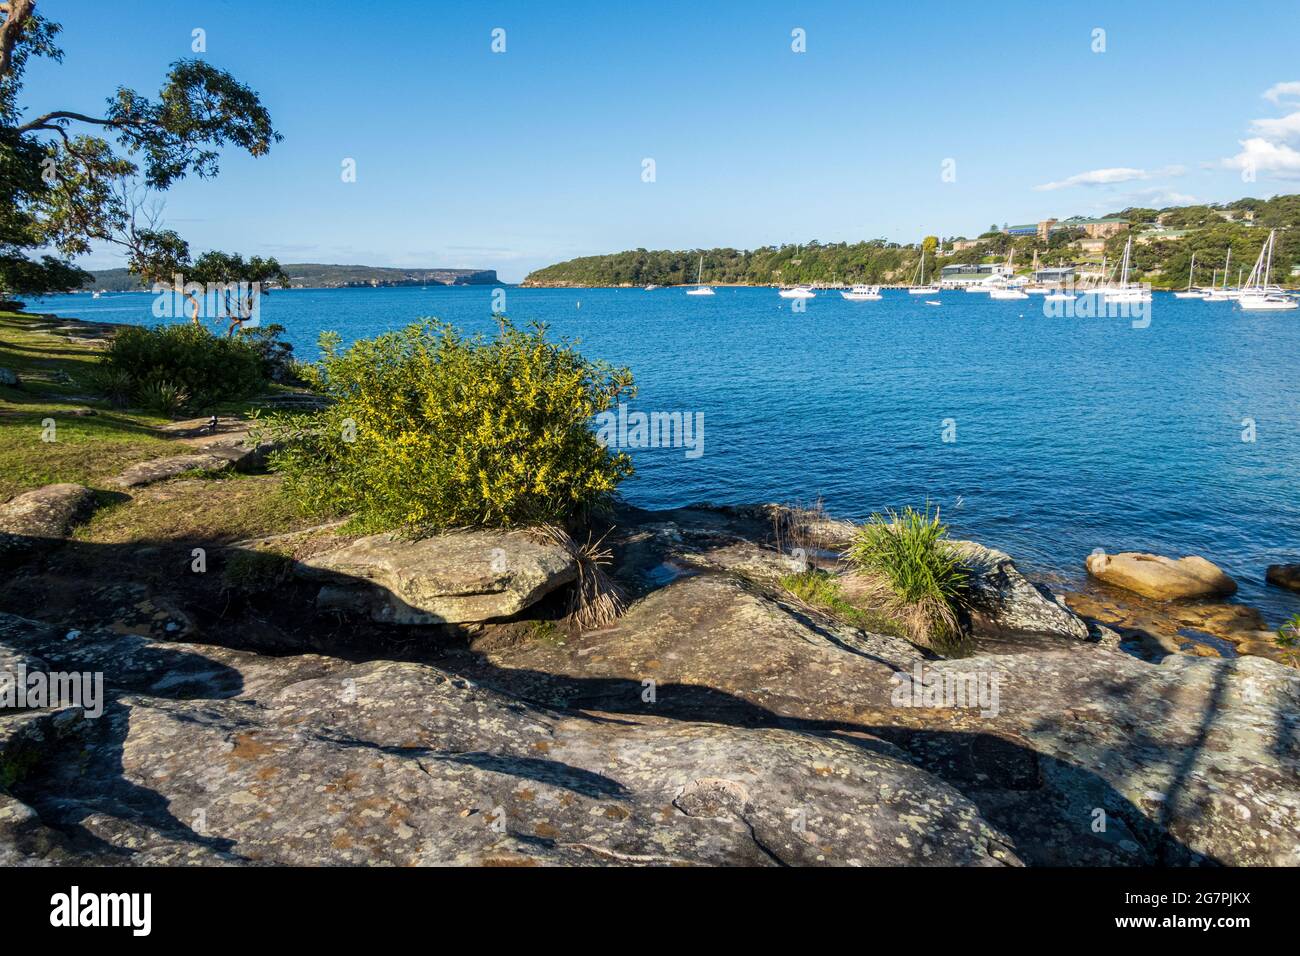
(1071, 433)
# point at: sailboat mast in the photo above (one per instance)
(1192, 274)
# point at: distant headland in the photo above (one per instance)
(314, 275)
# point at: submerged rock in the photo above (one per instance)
(445, 579)
(1164, 579)
(1284, 576)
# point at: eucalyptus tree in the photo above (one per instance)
(70, 178)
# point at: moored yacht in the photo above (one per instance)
(797, 292)
(1190, 292)
(862, 293)
(1257, 295)
(700, 287)
(1126, 292)
(919, 286)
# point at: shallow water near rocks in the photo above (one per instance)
(1070, 433)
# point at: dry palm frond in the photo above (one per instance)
(597, 599)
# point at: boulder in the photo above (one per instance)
(48, 512)
(36, 518)
(454, 578)
(1161, 578)
(1003, 599)
(1284, 576)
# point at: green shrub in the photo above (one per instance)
(161, 395)
(181, 367)
(431, 430)
(278, 364)
(919, 575)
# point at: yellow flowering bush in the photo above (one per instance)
(428, 430)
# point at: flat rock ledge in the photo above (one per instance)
(213, 458)
(206, 756)
(1159, 577)
(456, 578)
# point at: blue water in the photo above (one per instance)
(1071, 433)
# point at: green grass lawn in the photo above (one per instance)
(85, 449)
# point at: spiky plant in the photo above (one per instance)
(597, 599)
(907, 559)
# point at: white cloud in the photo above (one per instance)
(1261, 156)
(1098, 177)
(1279, 130)
(1159, 197)
(1278, 91)
(1108, 177)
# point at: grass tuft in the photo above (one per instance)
(907, 559)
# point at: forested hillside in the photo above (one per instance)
(1164, 242)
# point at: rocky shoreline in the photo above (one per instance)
(717, 722)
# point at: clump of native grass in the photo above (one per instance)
(597, 599)
(906, 561)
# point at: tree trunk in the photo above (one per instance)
(17, 12)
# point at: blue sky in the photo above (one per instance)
(469, 158)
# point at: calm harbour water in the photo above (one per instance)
(1071, 433)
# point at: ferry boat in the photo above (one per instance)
(862, 293)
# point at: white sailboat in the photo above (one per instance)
(1008, 288)
(1190, 292)
(862, 293)
(918, 286)
(797, 292)
(1126, 292)
(700, 287)
(1257, 295)
(1224, 294)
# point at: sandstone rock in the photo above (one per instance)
(1164, 579)
(309, 761)
(450, 578)
(1191, 760)
(36, 518)
(1003, 599)
(1284, 576)
(212, 458)
(48, 512)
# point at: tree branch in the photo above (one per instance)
(50, 121)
